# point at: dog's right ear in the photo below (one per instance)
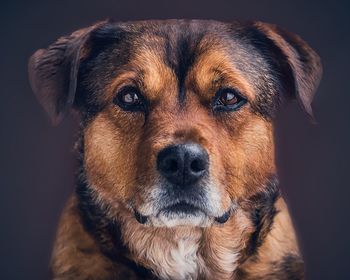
(53, 72)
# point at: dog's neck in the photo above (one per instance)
(181, 252)
(188, 252)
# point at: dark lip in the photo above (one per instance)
(181, 207)
(185, 208)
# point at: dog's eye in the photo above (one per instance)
(228, 100)
(130, 99)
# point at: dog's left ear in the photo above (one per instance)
(53, 72)
(303, 62)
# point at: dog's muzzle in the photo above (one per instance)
(183, 193)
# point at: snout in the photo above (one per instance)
(183, 164)
(185, 193)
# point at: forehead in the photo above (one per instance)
(194, 53)
(197, 53)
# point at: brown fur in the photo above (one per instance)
(178, 73)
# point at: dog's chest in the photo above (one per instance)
(176, 259)
(183, 258)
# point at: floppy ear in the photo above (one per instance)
(53, 72)
(302, 61)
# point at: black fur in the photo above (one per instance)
(290, 268)
(262, 213)
(108, 51)
(180, 55)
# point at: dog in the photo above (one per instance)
(177, 176)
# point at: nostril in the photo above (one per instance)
(197, 165)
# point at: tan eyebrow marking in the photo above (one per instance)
(148, 72)
(213, 69)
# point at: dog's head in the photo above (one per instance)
(176, 115)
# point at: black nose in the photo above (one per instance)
(183, 164)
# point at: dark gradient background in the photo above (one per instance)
(37, 161)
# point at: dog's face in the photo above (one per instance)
(177, 115)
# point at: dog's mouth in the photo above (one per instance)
(183, 209)
(180, 208)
